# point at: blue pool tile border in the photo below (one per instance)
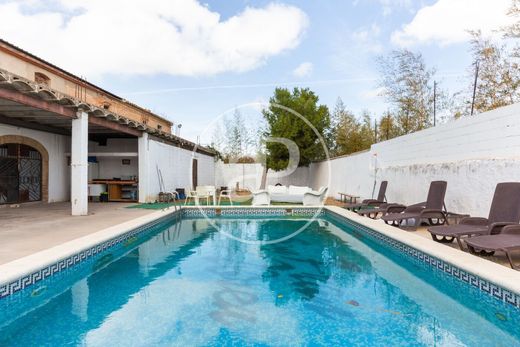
(58, 267)
(69, 262)
(481, 284)
(198, 212)
(75, 259)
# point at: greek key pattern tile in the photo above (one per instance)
(53, 269)
(473, 280)
(67, 263)
(254, 212)
(251, 211)
(198, 212)
(308, 212)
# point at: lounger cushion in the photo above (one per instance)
(298, 199)
(277, 189)
(293, 194)
(297, 190)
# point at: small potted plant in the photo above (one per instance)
(103, 197)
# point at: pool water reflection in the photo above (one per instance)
(188, 284)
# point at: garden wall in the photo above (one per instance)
(175, 166)
(471, 154)
(250, 176)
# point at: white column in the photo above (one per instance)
(143, 162)
(79, 165)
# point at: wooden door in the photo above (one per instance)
(114, 192)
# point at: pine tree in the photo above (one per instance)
(284, 124)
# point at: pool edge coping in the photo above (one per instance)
(29, 264)
(497, 274)
(24, 266)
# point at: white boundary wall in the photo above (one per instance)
(250, 176)
(471, 154)
(175, 166)
(56, 146)
(352, 174)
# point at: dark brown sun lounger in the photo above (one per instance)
(505, 210)
(381, 199)
(381, 210)
(507, 241)
(432, 210)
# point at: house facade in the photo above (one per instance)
(63, 138)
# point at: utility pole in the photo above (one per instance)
(407, 119)
(474, 87)
(375, 130)
(387, 125)
(434, 102)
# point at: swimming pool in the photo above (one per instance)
(182, 282)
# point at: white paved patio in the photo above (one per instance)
(31, 228)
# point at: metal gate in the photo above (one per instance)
(20, 174)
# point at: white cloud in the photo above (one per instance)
(178, 37)
(355, 51)
(366, 39)
(389, 5)
(303, 70)
(448, 21)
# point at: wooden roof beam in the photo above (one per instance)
(28, 100)
(114, 126)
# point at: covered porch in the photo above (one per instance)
(47, 141)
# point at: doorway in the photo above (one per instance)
(20, 173)
(194, 176)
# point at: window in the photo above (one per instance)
(106, 105)
(42, 78)
(159, 127)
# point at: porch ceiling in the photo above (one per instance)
(16, 114)
(28, 104)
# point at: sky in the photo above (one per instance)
(192, 61)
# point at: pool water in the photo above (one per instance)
(188, 284)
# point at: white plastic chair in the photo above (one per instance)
(201, 192)
(226, 194)
(211, 192)
(315, 198)
(261, 198)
